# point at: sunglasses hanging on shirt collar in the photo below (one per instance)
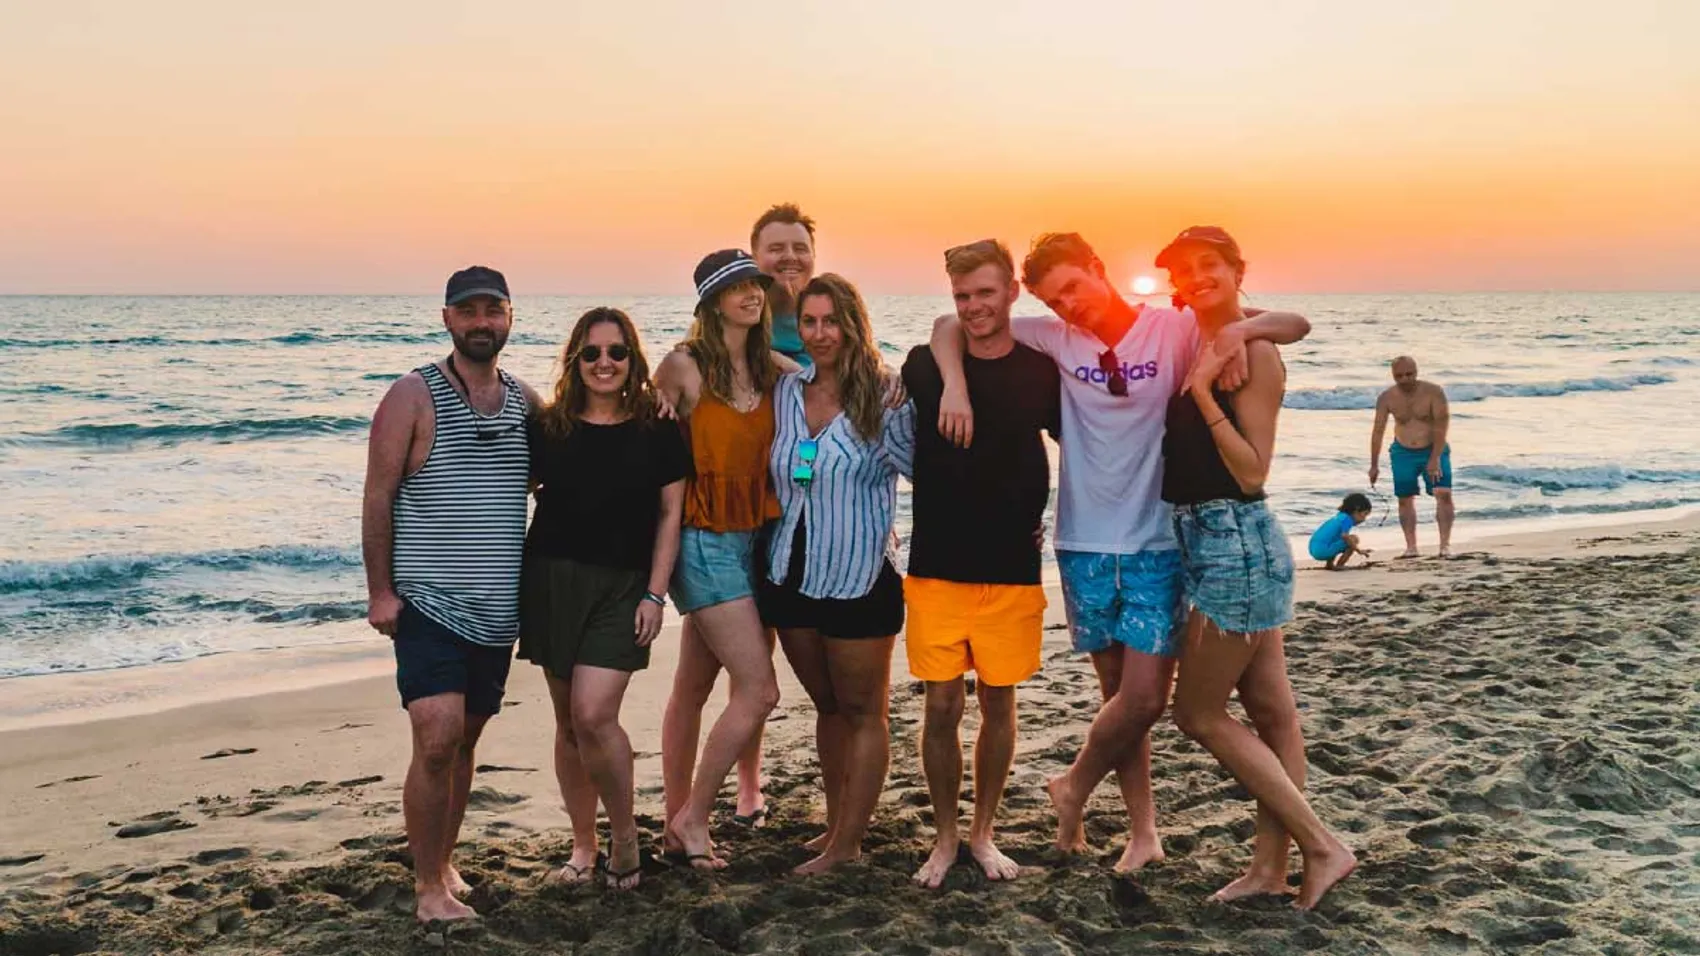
(807, 450)
(1114, 380)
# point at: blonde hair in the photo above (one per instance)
(706, 343)
(860, 390)
(637, 399)
(963, 259)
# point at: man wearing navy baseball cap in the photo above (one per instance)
(442, 531)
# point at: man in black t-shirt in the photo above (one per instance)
(973, 592)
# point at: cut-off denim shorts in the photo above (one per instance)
(1238, 565)
(714, 567)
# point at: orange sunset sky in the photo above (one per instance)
(192, 146)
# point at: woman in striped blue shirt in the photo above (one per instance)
(831, 589)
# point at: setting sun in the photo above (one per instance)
(1144, 285)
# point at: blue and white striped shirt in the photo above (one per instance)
(848, 507)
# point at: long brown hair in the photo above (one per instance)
(637, 399)
(859, 387)
(706, 341)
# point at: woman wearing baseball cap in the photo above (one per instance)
(719, 381)
(1217, 449)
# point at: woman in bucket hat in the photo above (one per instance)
(719, 381)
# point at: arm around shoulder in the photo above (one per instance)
(679, 380)
(1282, 328)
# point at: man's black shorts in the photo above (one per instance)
(430, 659)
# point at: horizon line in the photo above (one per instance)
(687, 295)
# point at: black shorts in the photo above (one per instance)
(879, 613)
(430, 659)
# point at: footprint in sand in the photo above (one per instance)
(489, 798)
(79, 779)
(359, 782)
(163, 822)
(226, 855)
(498, 768)
(24, 859)
(229, 752)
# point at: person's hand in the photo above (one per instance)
(1434, 470)
(1374, 472)
(648, 622)
(956, 417)
(1207, 367)
(1039, 535)
(892, 383)
(382, 612)
(664, 407)
(1230, 341)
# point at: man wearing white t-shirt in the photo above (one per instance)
(1116, 552)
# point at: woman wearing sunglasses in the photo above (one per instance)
(831, 589)
(611, 488)
(719, 382)
(1238, 570)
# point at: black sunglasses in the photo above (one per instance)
(1112, 369)
(593, 353)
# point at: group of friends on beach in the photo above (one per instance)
(751, 479)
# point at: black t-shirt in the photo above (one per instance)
(977, 508)
(600, 490)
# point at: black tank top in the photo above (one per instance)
(1193, 471)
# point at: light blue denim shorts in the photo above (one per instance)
(713, 567)
(1135, 600)
(1239, 566)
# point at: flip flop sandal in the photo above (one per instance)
(680, 860)
(611, 878)
(752, 820)
(579, 875)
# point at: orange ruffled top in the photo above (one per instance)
(730, 490)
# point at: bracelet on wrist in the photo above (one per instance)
(654, 598)
(1216, 422)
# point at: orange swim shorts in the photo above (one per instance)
(992, 629)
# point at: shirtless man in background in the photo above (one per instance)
(1419, 450)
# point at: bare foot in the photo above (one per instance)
(820, 843)
(1071, 815)
(824, 862)
(455, 882)
(992, 860)
(1408, 553)
(437, 905)
(1142, 849)
(932, 872)
(1322, 872)
(1445, 552)
(1254, 883)
(692, 838)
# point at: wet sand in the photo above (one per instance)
(1510, 741)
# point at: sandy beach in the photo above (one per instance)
(1508, 740)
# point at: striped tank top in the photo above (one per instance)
(460, 519)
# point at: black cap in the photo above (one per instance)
(722, 270)
(1209, 235)
(476, 280)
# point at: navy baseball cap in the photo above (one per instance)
(476, 280)
(722, 270)
(1209, 235)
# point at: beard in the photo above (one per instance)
(480, 346)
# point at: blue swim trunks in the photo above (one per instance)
(1136, 600)
(1410, 464)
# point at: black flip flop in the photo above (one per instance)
(612, 876)
(680, 860)
(752, 820)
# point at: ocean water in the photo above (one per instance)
(182, 476)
